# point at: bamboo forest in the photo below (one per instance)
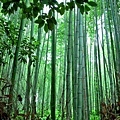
(59, 59)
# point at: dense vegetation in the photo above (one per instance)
(59, 60)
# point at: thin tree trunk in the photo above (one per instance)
(44, 79)
(14, 67)
(53, 76)
(29, 75)
(68, 80)
(34, 94)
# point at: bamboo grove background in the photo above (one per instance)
(67, 72)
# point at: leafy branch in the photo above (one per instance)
(46, 20)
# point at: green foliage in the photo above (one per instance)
(8, 35)
(46, 115)
(94, 116)
(91, 3)
(28, 48)
(46, 28)
(46, 20)
(81, 1)
(19, 118)
(87, 8)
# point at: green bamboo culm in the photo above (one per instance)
(53, 75)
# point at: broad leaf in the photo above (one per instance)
(50, 13)
(46, 28)
(35, 1)
(41, 23)
(50, 24)
(87, 8)
(45, 2)
(82, 9)
(67, 7)
(79, 1)
(62, 11)
(61, 4)
(93, 4)
(71, 5)
(54, 20)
